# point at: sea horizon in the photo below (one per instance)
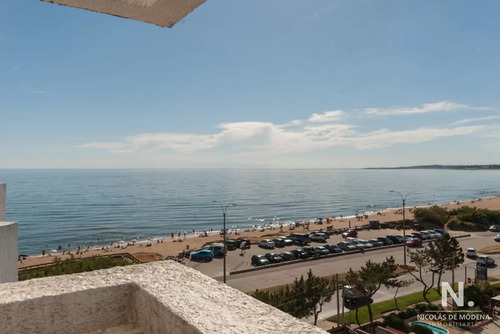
(78, 206)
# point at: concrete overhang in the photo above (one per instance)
(164, 13)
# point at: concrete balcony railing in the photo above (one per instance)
(160, 297)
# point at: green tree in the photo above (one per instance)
(421, 259)
(445, 254)
(398, 285)
(305, 297)
(370, 278)
(433, 215)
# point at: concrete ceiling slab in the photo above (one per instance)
(164, 13)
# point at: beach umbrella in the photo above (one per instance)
(134, 241)
(121, 242)
(53, 251)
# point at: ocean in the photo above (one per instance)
(76, 207)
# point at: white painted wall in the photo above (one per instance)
(3, 200)
(8, 252)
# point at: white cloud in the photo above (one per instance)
(321, 132)
(384, 138)
(34, 91)
(469, 120)
(327, 116)
(443, 106)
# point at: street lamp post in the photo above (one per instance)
(403, 198)
(224, 210)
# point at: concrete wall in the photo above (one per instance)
(3, 200)
(161, 297)
(8, 252)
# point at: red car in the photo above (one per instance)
(414, 242)
(350, 233)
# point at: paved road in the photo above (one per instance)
(286, 274)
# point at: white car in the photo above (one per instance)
(484, 260)
(318, 237)
(267, 243)
(497, 238)
(471, 253)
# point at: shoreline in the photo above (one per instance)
(168, 246)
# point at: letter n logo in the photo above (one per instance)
(446, 288)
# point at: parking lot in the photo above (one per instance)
(237, 262)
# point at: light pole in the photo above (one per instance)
(403, 198)
(224, 210)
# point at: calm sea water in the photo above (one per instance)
(61, 207)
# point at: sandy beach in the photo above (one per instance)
(173, 247)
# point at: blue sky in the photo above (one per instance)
(252, 84)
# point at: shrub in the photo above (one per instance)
(473, 219)
(433, 215)
(392, 320)
(419, 329)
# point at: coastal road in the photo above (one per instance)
(286, 274)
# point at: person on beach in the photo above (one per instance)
(243, 245)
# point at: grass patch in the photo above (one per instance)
(148, 257)
(73, 266)
(381, 308)
(387, 306)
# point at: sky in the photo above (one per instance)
(252, 84)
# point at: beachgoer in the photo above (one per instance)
(43, 252)
(243, 246)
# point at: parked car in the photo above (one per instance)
(414, 242)
(418, 235)
(333, 248)
(311, 251)
(266, 243)
(247, 242)
(231, 244)
(395, 239)
(417, 227)
(322, 250)
(471, 253)
(350, 233)
(386, 241)
(202, 255)
(300, 238)
(299, 253)
(285, 241)
(318, 237)
(441, 231)
(423, 235)
(259, 260)
(273, 257)
(217, 249)
(279, 242)
(497, 238)
(360, 244)
(376, 243)
(485, 260)
(346, 246)
(433, 234)
(287, 256)
(494, 228)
